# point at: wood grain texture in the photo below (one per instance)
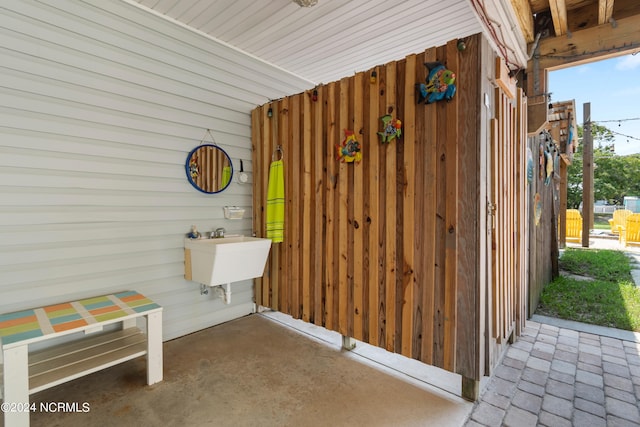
(452, 151)
(469, 243)
(342, 231)
(372, 208)
(294, 208)
(330, 238)
(357, 216)
(318, 162)
(305, 161)
(509, 194)
(390, 264)
(387, 250)
(408, 284)
(430, 185)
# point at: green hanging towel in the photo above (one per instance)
(275, 202)
(226, 176)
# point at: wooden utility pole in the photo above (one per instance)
(587, 175)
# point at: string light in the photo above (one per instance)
(618, 133)
(623, 48)
(618, 120)
(626, 136)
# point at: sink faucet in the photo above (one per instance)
(219, 233)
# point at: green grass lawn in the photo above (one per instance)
(601, 221)
(611, 299)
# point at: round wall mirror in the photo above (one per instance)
(209, 168)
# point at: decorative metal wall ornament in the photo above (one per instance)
(391, 129)
(440, 84)
(349, 150)
(537, 208)
(548, 164)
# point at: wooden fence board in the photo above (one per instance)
(317, 258)
(284, 267)
(451, 219)
(357, 217)
(257, 145)
(343, 217)
(440, 229)
(409, 197)
(390, 265)
(306, 156)
(373, 211)
(330, 151)
(524, 213)
(469, 226)
(270, 132)
(379, 250)
(496, 234)
(381, 216)
(419, 214)
(430, 218)
(270, 292)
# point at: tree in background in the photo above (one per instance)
(614, 177)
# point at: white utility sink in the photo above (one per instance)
(227, 259)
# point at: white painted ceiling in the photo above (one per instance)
(330, 40)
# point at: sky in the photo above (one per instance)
(612, 86)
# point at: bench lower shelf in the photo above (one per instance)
(65, 362)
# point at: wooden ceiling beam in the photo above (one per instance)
(559, 15)
(522, 9)
(603, 41)
(605, 11)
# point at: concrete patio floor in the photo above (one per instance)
(256, 371)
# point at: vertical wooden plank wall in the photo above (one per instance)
(541, 234)
(509, 193)
(524, 196)
(385, 250)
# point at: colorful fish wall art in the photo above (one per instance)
(529, 166)
(349, 150)
(391, 129)
(548, 163)
(439, 85)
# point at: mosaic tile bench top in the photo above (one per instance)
(37, 322)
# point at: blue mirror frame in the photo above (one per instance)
(209, 168)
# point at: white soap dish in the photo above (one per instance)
(233, 212)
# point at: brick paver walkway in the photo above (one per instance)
(559, 377)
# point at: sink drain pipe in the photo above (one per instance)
(223, 291)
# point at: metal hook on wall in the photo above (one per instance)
(275, 153)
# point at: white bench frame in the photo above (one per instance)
(24, 373)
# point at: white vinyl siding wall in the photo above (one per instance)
(100, 103)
